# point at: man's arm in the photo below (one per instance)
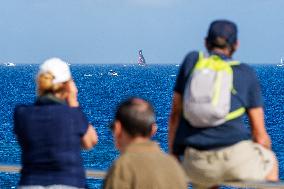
(259, 134)
(174, 119)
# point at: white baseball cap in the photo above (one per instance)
(58, 68)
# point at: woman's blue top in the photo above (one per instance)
(49, 133)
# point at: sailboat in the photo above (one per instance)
(281, 62)
(141, 59)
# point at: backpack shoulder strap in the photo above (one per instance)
(201, 55)
(239, 111)
(235, 114)
(233, 63)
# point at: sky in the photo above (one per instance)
(112, 31)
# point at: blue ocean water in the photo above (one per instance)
(99, 94)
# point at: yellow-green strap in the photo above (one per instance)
(234, 91)
(201, 56)
(217, 90)
(234, 114)
(233, 63)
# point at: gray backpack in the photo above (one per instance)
(207, 95)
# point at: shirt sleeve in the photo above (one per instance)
(82, 121)
(254, 91)
(185, 69)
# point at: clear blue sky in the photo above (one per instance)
(112, 31)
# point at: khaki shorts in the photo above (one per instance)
(245, 160)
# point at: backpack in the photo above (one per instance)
(207, 95)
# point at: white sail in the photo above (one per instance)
(281, 62)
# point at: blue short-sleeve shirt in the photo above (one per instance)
(49, 134)
(248, 95)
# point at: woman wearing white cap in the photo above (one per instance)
(52, 131)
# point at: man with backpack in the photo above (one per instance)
(211, 95)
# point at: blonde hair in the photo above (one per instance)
(45, 84)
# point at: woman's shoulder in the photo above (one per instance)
(21, 108)
(41, 109)
(56, 110)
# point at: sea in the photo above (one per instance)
(102, 88)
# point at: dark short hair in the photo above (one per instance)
(221, 34)
(136, 116)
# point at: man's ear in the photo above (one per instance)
(154, 129)
(236, 45)
(117, 132)
(117, 128)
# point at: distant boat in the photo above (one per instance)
(281, 62)
(10, 64)
(88, 75)
(141, 59)
(112, 73)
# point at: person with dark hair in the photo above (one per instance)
(52, 131)
(142, 165)
(219, 148)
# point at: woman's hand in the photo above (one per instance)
(90, 139)
(72, 93)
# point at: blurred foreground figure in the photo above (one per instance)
(52, 131)
(142, 164)
(211, 95)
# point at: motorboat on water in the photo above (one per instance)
(9, 64)
(112, 73)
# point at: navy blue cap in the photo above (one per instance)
(222, 33)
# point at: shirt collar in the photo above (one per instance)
(223, 56)
(49, 99)
(148, 146)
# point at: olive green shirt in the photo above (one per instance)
(145, 166)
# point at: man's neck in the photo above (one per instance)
(225, 51)
(132, 140)
(140, 140)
